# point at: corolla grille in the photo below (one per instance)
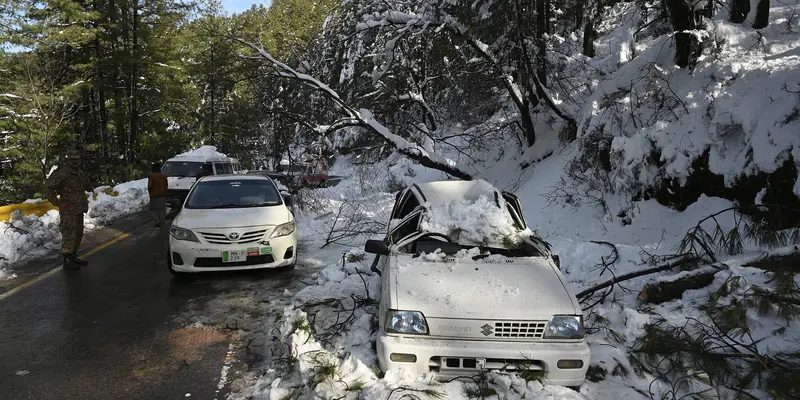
(231, 238)
(519, 329)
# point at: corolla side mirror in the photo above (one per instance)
(378, 247)
(174, 203)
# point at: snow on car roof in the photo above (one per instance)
(203, 153)
(468, 213)
(447, 191)
(235, 177)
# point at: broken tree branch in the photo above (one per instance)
(687, 259)
(363, 118)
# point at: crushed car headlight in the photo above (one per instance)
(565, 327)
(183, 234)
(283, 230)
(408, 322)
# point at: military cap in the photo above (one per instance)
(73, 154)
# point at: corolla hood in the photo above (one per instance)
(492, 288)
(232, 217)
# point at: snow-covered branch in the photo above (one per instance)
(364, 118)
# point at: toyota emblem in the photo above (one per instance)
(233, 236)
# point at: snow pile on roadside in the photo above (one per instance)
(6, 274)
(29, 236)
(132, 197)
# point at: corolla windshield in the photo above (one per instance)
(233, 194)
(189, 169)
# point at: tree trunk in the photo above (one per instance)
(541, 32)
(99, 86)
(762, 15)
(134, 112)
(660, 292)
(687, 47)
(118, 80)
(589, 36)
(739, 10)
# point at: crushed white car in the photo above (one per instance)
(467, 287)
(232, 222)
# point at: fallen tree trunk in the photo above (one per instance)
(617, 279)
(660, 292)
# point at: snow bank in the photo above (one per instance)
(29, 236)
(103, 208)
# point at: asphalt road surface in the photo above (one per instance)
(121, 328)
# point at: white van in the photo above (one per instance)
(183, 171)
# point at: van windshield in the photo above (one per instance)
(182, 168)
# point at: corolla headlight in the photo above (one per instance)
(565, 327)
(183, 234)
(283, 230)
(408, 322)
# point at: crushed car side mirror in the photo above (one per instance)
(287, 199)
(378, 247)
(174, 203)
(557, 260)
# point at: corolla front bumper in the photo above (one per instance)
(189, 256)
(452, 358)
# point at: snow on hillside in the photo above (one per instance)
(29, 236)
(741, 103)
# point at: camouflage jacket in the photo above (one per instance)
(71, 185)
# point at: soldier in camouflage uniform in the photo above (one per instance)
(66, 189)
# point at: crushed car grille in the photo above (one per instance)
(221, 238)
(520, 329)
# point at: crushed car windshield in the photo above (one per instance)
(233, 194)
(190, 169)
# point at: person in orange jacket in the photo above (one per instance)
(157, 187)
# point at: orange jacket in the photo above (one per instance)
(157, 185)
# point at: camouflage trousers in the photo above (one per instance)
(71, 233)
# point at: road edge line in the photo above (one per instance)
(49, 273)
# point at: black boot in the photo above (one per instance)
(78, 261)
(74, 261)
(69, 263)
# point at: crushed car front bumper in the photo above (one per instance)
(558, 363)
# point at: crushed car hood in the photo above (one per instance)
(232, 217)
(494, 288)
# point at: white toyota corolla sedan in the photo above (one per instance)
(467, 287)
(232, 222)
